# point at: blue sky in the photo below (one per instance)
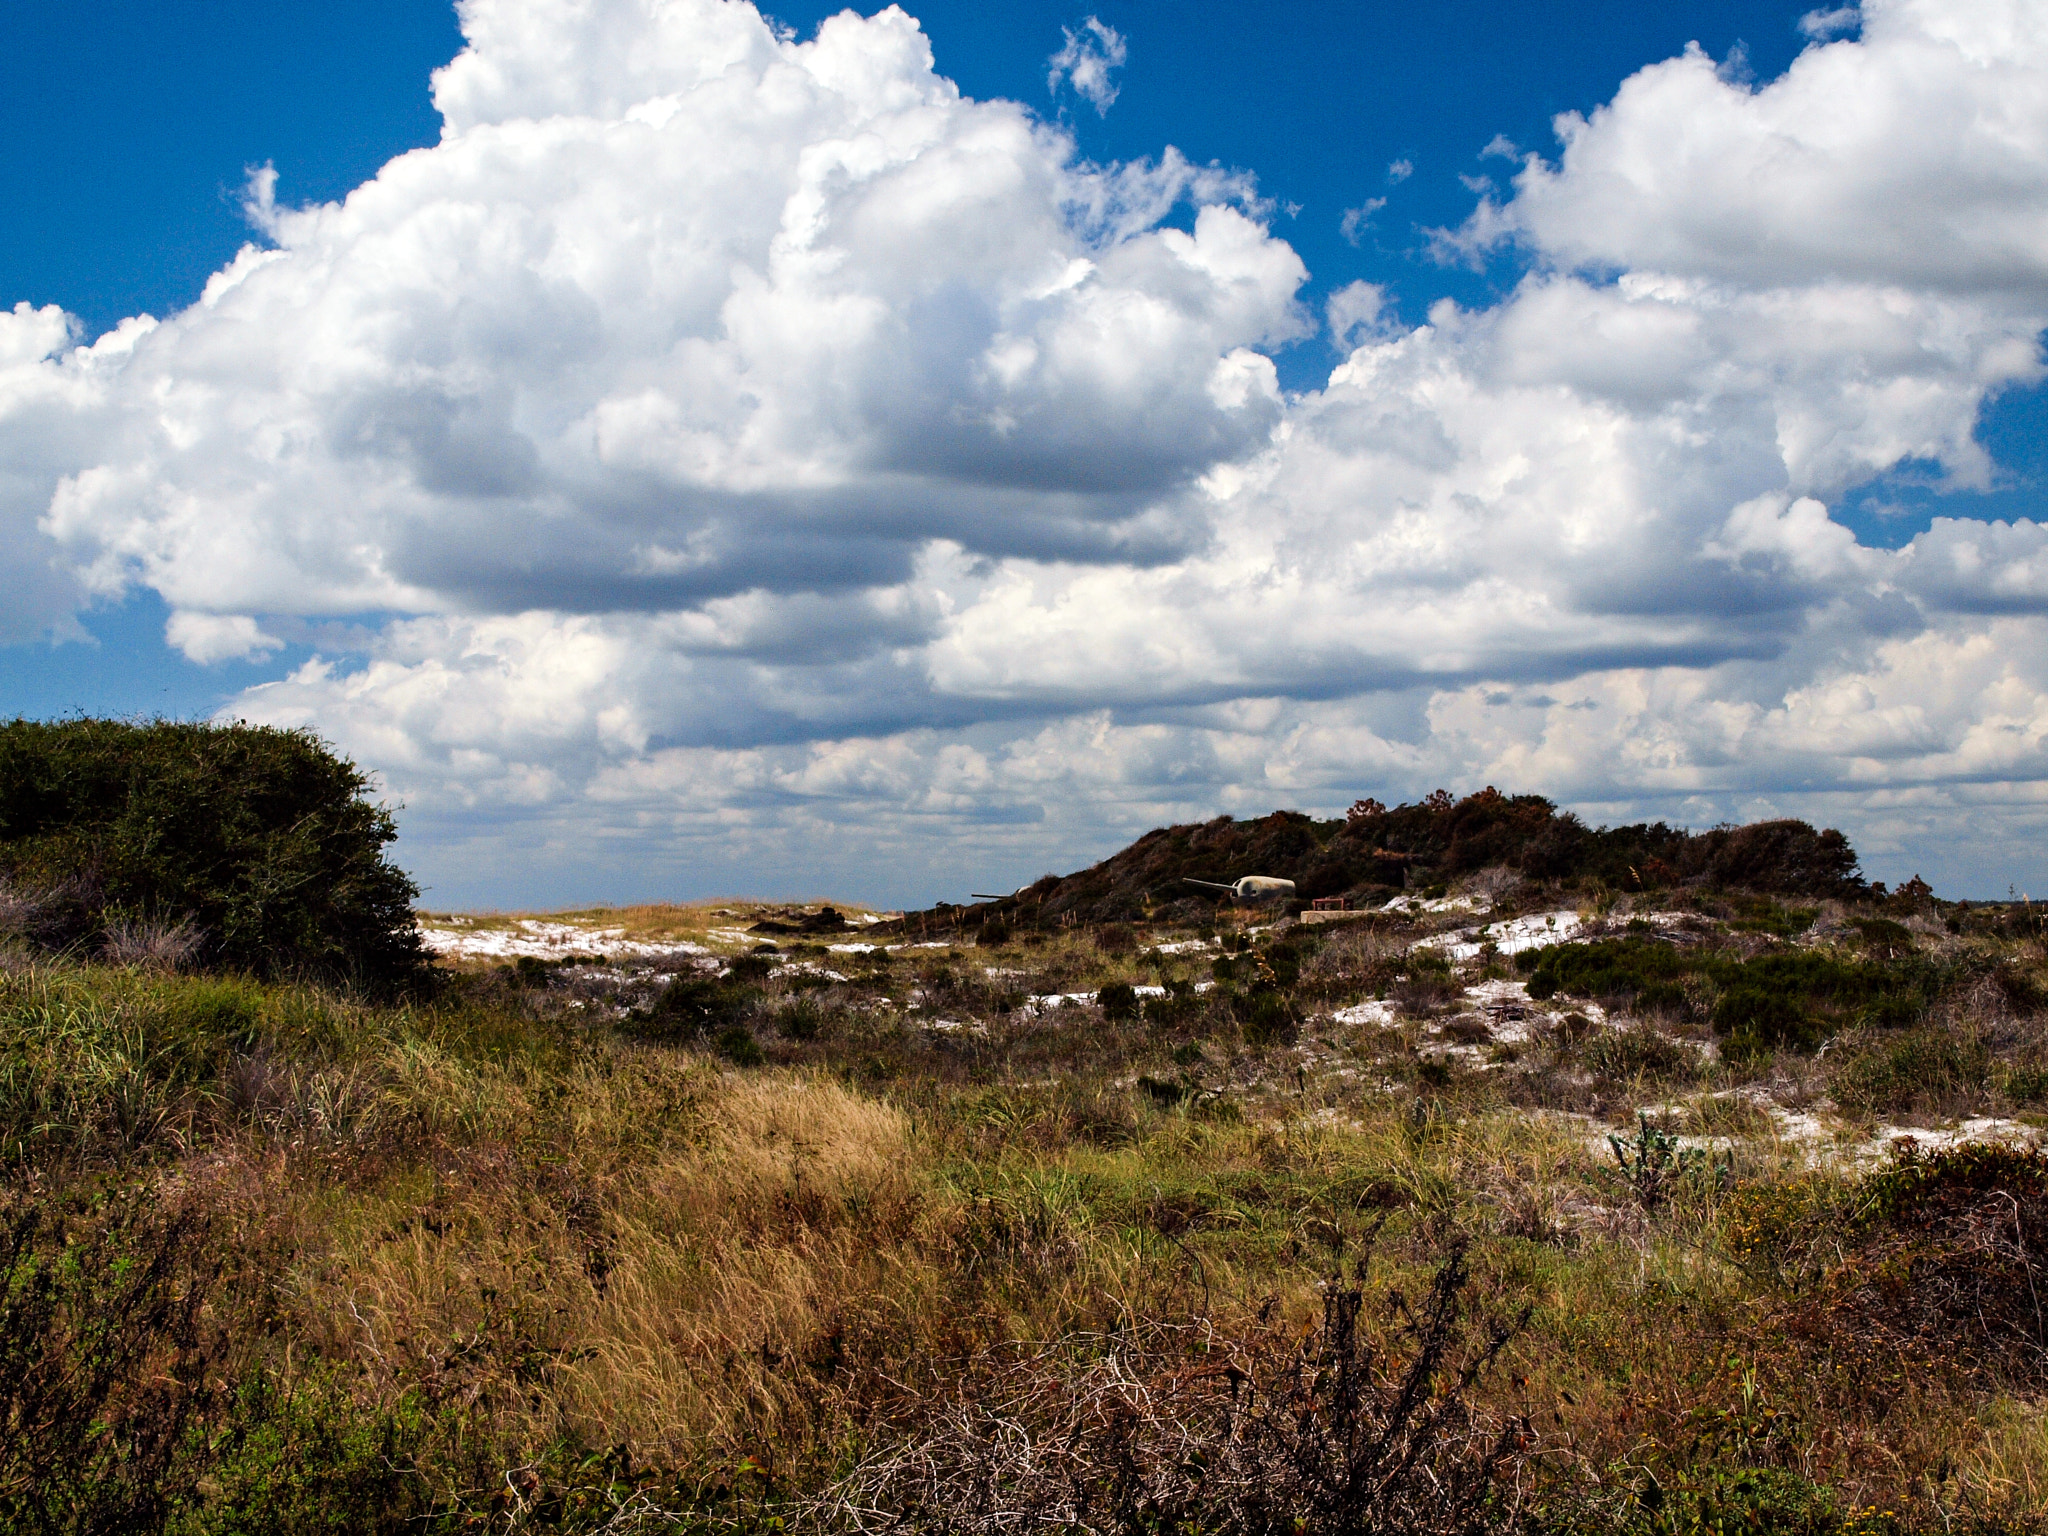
(1364, 139)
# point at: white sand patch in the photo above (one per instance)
(538, 940)
(1414, 906)
(1510, 937)
(1047, 1002)
(1372, 1011)
(1510, 1015)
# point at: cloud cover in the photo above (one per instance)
(758, 451)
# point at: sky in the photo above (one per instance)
(683, 449)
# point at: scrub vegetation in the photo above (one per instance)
(1523, 1201)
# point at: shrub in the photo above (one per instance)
(738, 1046)
(103, 1363)
(693, 1007)
(1757, 1022)
(1780, 1000)
(259, 838)
(1919, 1067)
(1883, 933)
(1620, 1055)
(800, 1019)
(1941, 1261)
(1664, 997)
(1715, 1501)
(1150, 1432)
(1267, 1018)
(1118, 1000)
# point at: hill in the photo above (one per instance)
(1374, 853)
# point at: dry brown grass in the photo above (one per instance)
(552, 1238)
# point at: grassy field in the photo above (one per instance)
(1552, 1212)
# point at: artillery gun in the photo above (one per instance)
(1252, 887)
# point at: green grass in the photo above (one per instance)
(570, 1247)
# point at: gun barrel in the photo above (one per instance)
(1211, 884)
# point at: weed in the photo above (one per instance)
(1657, 1164)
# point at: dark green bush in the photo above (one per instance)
(1882, 932)
(1119, 1000)
(737, 1044)
(694, 1006)
(1785, 999)
(1664, 997)
(1715, 1501)
(1757, 1022)
(1267, 1017)
(800, 1019)
(260, 838)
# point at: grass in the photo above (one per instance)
(551, 1251)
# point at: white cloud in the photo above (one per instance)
(762, 454)
(1356, 220)
(1088, 58)
(210, 637)
(1912, 156)
(1356, 313)
(1831, 23)
(1400, 170)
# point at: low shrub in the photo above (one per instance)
(693, 1006)
(736, 1043)
(1175, 1430)
(800, 1019)
(1930, 1068)
(105, 1362)
(1118, 1000)
(1268, 1019)
(1714, 1501)
(1784, 1000)
(1622, 1055)
(1756, 1022)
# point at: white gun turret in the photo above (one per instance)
(1253, 888)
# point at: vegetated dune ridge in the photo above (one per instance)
(1534, 1197)
(1375, 852)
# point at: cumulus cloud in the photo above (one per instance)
(1911, 156)
(1087, 61)
(753, 449)
(210, 637)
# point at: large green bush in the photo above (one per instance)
(259, 840)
